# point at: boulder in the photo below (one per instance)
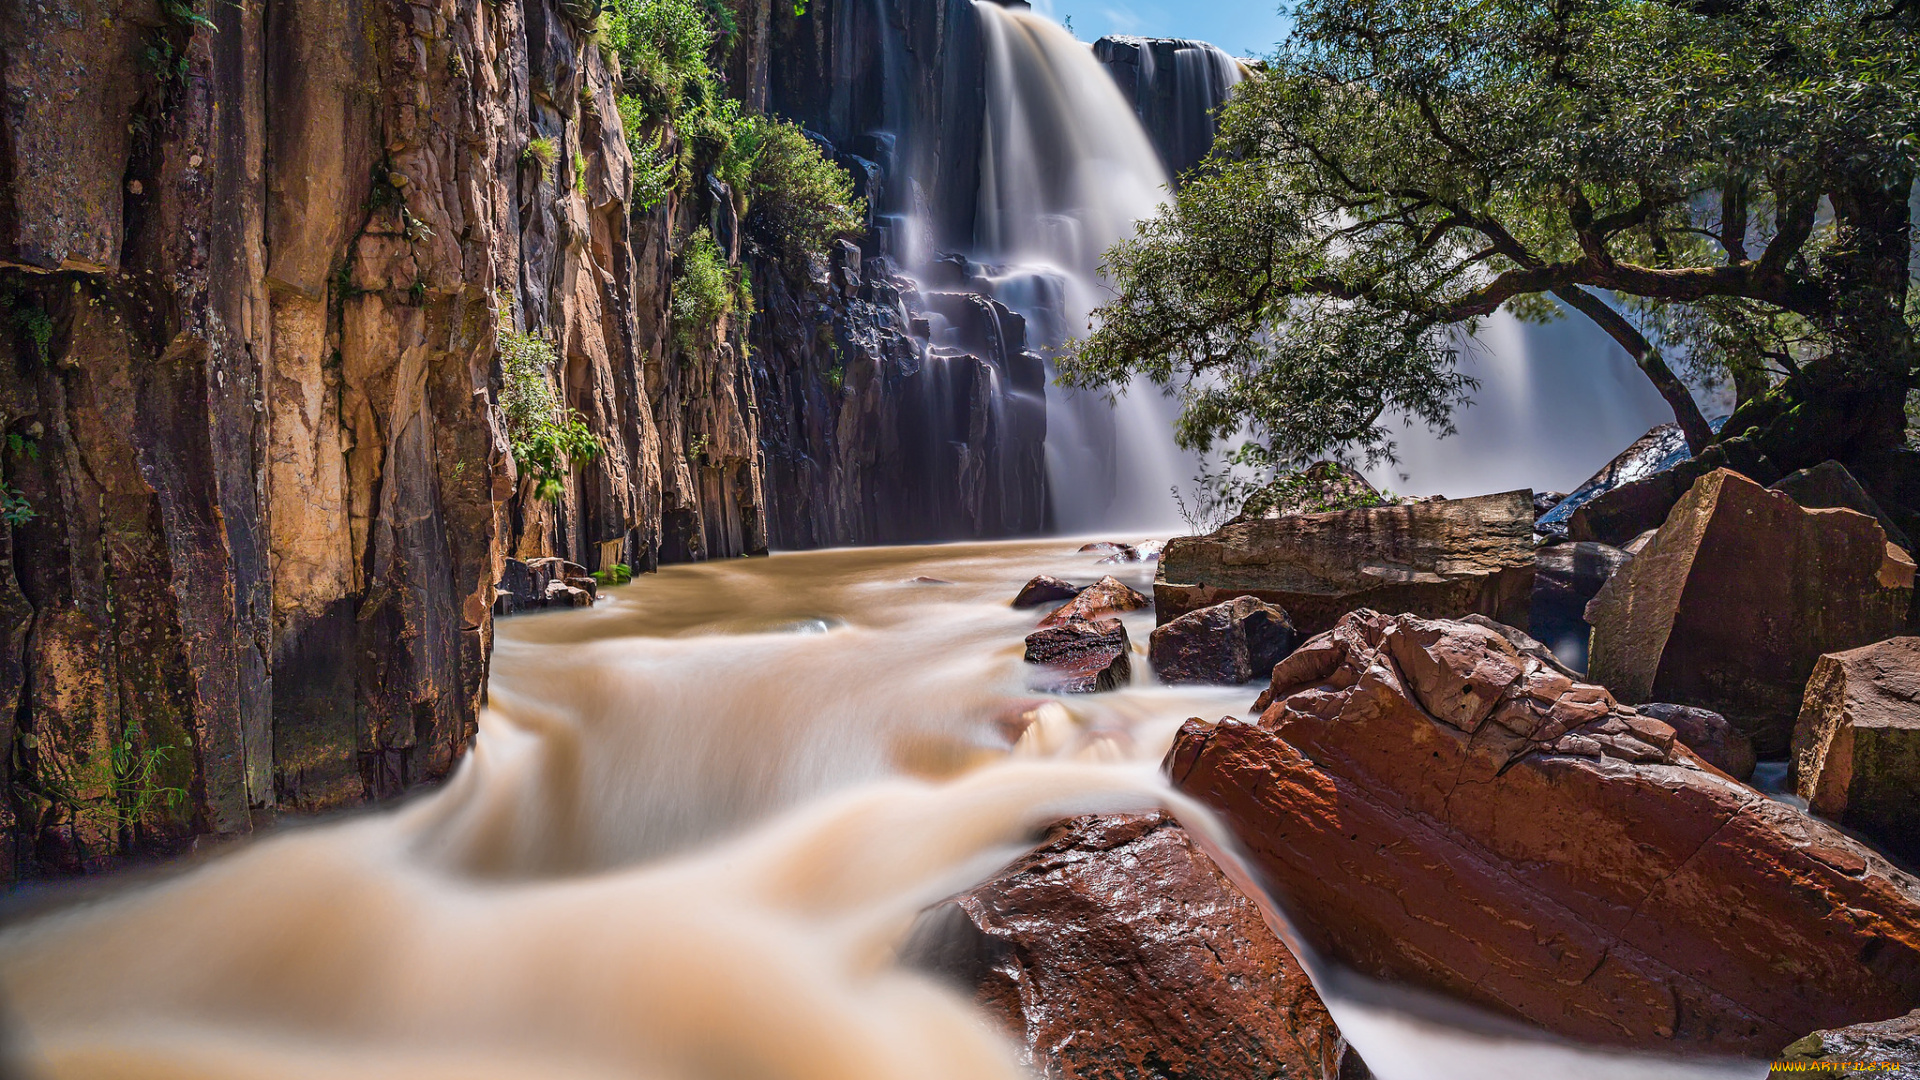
(1892, 1044)
(1118, 949)
(1828, 486)
(1107, 596)
(1660, 449)
(1107, 547)
(1709, 735)
(1045, 590)
(1545, 501)
(1566, 578)
(1856, 746)
(1082, 657)
(1445, 811)
(1439, 559)
(1228, 643)
(1738, 596)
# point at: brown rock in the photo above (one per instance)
(1439, 559)
(1829, 486)
(1045, 590)
(1228, 643)
(1709, 735)
(1104, 597)
(1738, 596)
(1082, 657)
(1893, 1042)
(1119, 950)
(1106, 547)
(1448, 812)
(1856, 747)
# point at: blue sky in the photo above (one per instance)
(1242, 27)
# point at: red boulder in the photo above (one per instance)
(1441, 809)
(1082, 657)
(1108, 596)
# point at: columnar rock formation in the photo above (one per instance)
(258, 487)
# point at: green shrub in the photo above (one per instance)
(546, 438)
(617, 574)
(705, 291)
(798, 201)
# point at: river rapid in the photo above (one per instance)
(697, 823)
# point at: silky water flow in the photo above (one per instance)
(698, 821)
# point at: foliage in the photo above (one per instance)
(1408, 167)
(138, 786)
(617, 574)
(579, 174)
(798, 201)
(32, 322)
(795, 200)
(546, 439)
(540, 154)
(704, 292)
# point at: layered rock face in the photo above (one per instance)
(1441, 809)
(1119, 949)
(1439, 559)
(1177, 88)
(1856, 746)
(1080, 656)
(1738, 596)
(1893, 1045)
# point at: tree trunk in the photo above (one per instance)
(1686, 411)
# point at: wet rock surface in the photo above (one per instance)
(1737, 597)
(1045, 589)
(1229, 644)
(1567, 577)
(1118, 949)
(1856, 745)
(1081, 656)
(1108, 596)
(1443, 810)
(1442, 559)
(1894, 1043)
(1709, 735)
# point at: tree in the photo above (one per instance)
(1724, 183)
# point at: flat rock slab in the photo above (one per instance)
(1118, 949)
(1737, 597)
(1437, 559)
(1228, 644)
(1445, 811)
(1856, 746)
(1082, 657)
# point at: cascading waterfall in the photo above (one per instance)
(1066, 172)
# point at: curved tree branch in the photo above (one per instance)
(1686, 411)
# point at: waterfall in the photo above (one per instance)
(1066, 171)
(1177, 88)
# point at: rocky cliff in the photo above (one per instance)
(255, 265)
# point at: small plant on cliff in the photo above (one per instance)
(703, 292)
(579, 174)
(15, 510)
(540, 154)
(547, 439)
(617, 574)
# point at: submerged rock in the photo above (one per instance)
(1448, 812)
(1082, 656)
(1893, 1044)
(1709, 735)
(1737, 597)
(1856, 746)
(1118, 949)
(1105, 597)
(1228, 643)
(1045, 590)
(1446, 558)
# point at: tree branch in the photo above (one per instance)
(1686, 411)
